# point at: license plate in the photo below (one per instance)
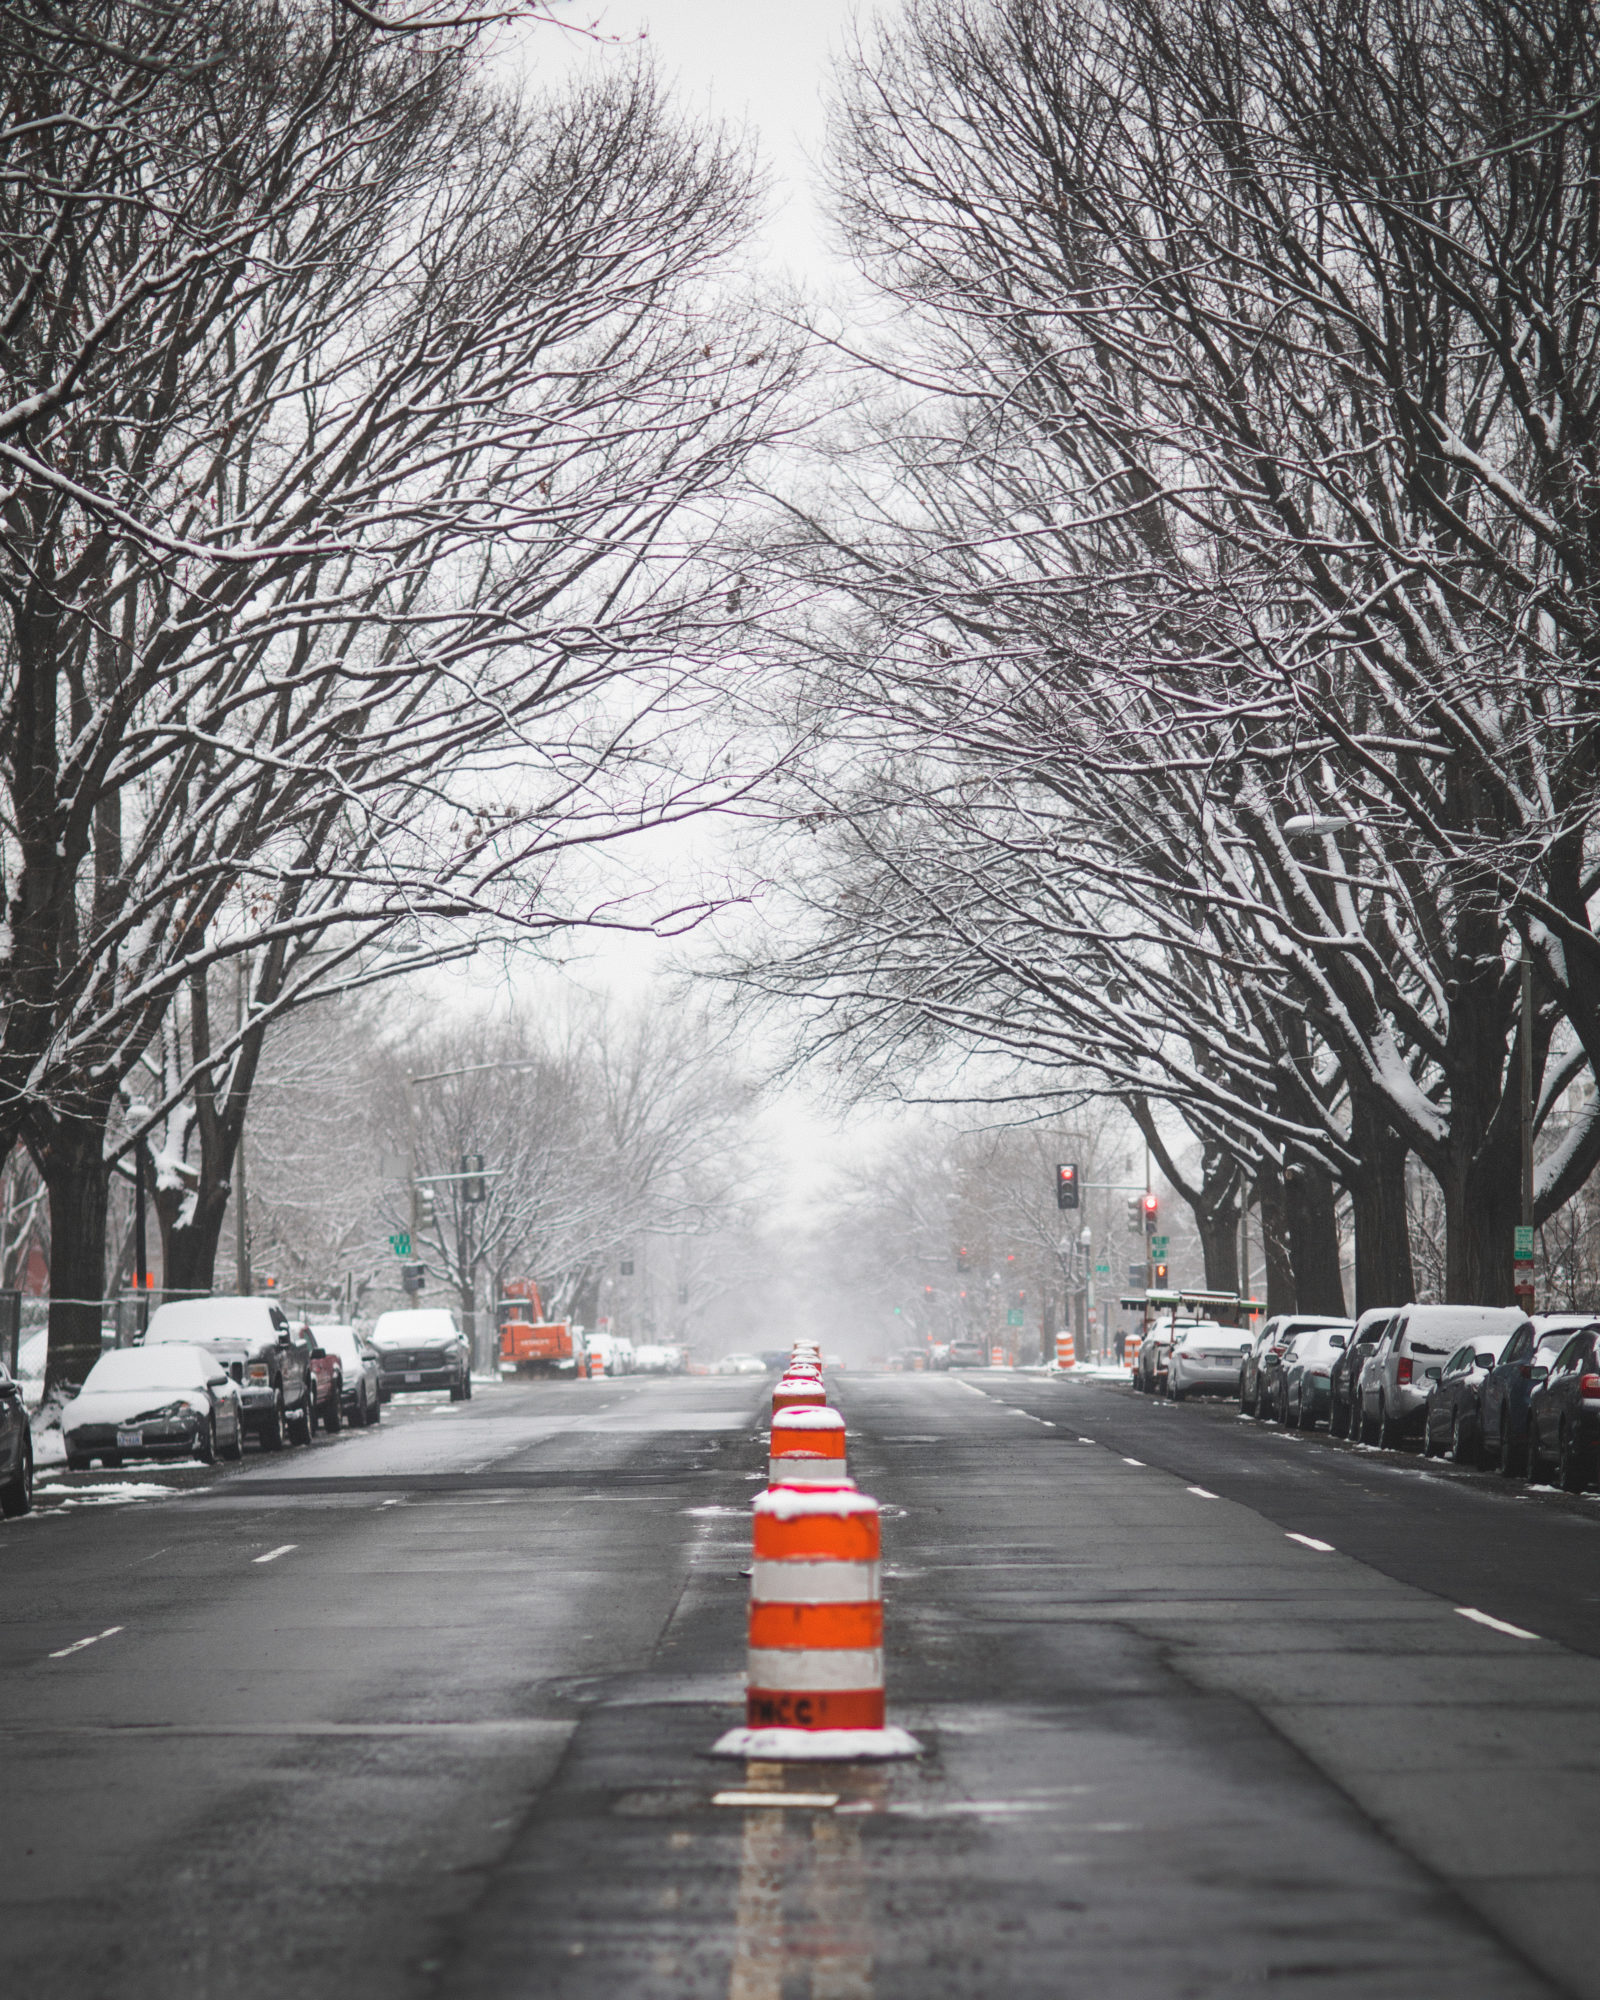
(129, 1440)
(414, 1375)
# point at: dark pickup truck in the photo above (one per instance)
(265, 1354)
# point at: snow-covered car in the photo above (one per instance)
(1205, 1360)
(1305, 1391)
(739, 1364)
(255, 1343)
(650, 1358)
(359, 1370)
(1399, 1377)
(16, 1448)
(422, 1348)
(173, 1400)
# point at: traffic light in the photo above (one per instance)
(1149, 1209)
(1161, 1274)
(1135, 1216)
(426, 1211)
(627, 1267)
(411, 1277)
(1067, 1185)
(473, 1188)
(963, 1260)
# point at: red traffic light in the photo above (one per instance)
(1149, 1207)
(1067, 1185)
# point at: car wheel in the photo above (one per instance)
(1336, 1419)
(205, 1444)
(111, 1461)
(375, 1410)
(1572, 1475)
(1532, 1456)
(235, 1449)
(303, 1422)
(1389, 1432)
(1429, 1448)
(16, 1496)
(1244, 1400)
(272, 1431)
(1306, 1416)
(1509, 1458)
(1461, 1448)
(1176, 1393)
(333, 1415)
(78, 1461)
(1260, 1411)
(466, 1387)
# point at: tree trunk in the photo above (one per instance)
(1275, 1242)
(73, 1164)
(1313, 1239)
(1384, 1275)
(189, 1246)
(1218, 1224)
(1482, 1207)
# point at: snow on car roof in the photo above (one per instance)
(172, 1365)
(212, 1319)
(409, 1325)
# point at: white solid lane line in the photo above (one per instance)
(1311, 1542)
(1086, 1440)
(1200, 1493)
(1494, 1624)
(1134, 1461)
(93, 1639)
(272, 1555)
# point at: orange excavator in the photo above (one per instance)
(529, 1342)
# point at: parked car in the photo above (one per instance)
(1508, 1389)
(360, 1372)
(268, 1357)
(16, 1448)
(1258, 1387)
(421, 1347)
(172, 1400)
(968, 1354)
(1344, 1377)
(1452, 1420)
(1205, 1359)
(1564, 1413)
(1305, 1396)
(1150, 1370)
(739, 1364)
(1410, 1358)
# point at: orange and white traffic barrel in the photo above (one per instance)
(797, 1392)
(807, 1447)
(1066, 1353)
(1131, 1344)
(814, 1686)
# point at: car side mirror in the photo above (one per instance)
(319, 1354)
(236, 1370)
(1540, 1374)
(283, 1338)
(1336, 1340)
(1430, 1374)
(216, 1381)
(1483, 1361)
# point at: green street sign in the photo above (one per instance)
(1102, 1270)
(1158, 1246)
(1014, 1317)
(400, 1243)
(1524, 1249)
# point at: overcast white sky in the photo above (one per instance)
(760, 66)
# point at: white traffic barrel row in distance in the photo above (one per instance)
(807, 1448)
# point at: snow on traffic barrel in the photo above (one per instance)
(814, 1686)
(1066, 1354)
(807, 1448)
(798, 1392)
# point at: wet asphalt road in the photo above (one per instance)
(424, 1711)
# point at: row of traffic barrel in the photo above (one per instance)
(814, 1680)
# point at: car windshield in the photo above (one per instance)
(339, 1341)
(171, 1366)
(211, 1319)
(1550, 1344)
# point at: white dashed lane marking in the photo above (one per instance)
(1134, 1461)
(93, 1639)
(1494, 1624)
(272, 1555)
(1311, 1542)
(1200, 1493)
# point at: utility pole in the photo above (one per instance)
(1522, 1250)
(141, 1306)
(241, 1221)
